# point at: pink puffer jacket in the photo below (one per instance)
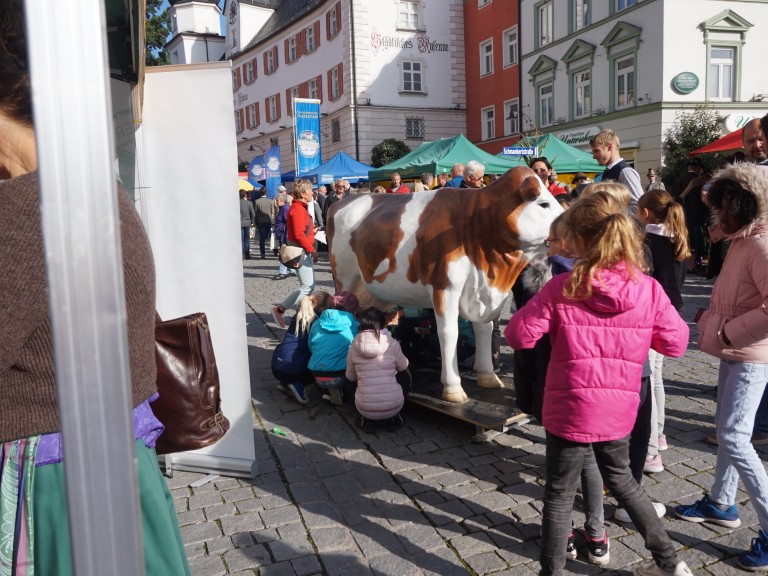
(373, 363)
(598, 348)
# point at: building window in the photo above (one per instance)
(292, 54)
(511, 117)
(624, 4)
(294, 94)
(487, 119)
(253, 119)
(581, 14)
(625, 82)
(721, 73)
(408, 15)
(310, 32)
(235, 80)
(486, 57)
(270, 61)
(249, 72)
(335, 130)
(333, 24)
(273, 108)
(238, 121)
(335, 93)
(481, 3)
(544, 24)
(412, 76)
(546, 104)
(414, 128)
(313, 91)
(582, 94)
(510, 46)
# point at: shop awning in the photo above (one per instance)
(728, 143)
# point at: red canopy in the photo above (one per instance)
(727, 143)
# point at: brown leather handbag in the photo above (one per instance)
(189, 405)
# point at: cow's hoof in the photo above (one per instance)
(455, 397)
(489, 381)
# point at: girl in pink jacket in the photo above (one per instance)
(602, 318)
(373, 361)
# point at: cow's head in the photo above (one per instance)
(535, 208)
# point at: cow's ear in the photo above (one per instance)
(530, 188)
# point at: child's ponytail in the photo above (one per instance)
(311, 306)
(667, 211)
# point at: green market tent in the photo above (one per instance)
(565, 159)
(440, 156)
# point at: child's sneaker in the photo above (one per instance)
(663, 443)
(705, 511)
(298, 392)
(756, 560)
(653, 464)
(597, 550)
(653, 570)
(570, 549)
(277, 316)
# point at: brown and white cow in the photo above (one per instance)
(457, 250)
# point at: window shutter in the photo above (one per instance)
(258, 118)
(266, 68)
(304, 90)
(319, 80)
(274, 52)
(330, 94)
(238, 81)
(288, 102)
(316, 27)
(287, 53)
(242, 118)
(247, 118)
(341, 79)
(328, 25)
(255, 68)
(245, 71)
(277, 106)
(267, 110)
(338, 17)
(301, 43)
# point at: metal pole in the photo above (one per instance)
(73, 122)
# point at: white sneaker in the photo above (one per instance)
(653, 570)
(622, 516)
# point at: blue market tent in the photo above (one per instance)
(342, 165)
(565, 159)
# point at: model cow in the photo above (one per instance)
(456, 250)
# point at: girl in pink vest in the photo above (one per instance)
(602, 318)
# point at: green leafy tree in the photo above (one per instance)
(157, 31)
(388, 151)
(690, 131)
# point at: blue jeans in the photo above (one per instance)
(246, 240)
(564, 464)
(306, 276)
(264, 230)
(740, 387)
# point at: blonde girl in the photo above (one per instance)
(615, 189)
(601, 319)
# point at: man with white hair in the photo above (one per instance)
(474, 172)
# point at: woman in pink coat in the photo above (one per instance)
(373, 361)
(602, 318)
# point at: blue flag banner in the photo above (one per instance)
(256, 170)
(306, 118)
(272, 170)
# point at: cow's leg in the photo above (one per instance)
(486, 378)
(448, 332)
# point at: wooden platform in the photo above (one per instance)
(491, 410)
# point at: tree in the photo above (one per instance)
(388, 151)
(690, 131)
(158, 30)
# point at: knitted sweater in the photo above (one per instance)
(27, 386)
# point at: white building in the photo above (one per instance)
(391, 69)
(631, 65)
(195, 31)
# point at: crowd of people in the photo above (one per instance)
(594, 321)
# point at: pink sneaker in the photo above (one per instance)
(653, 464)
(662, 443)
(278, 316)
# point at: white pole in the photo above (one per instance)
(73, 122)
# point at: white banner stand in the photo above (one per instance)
(190, 206)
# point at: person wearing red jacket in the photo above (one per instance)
(301, 232)
(397, 186)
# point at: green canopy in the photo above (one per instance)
(564, 158)
(440, 156)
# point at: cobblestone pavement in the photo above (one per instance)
(425, 500)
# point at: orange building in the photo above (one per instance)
(492, 60)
